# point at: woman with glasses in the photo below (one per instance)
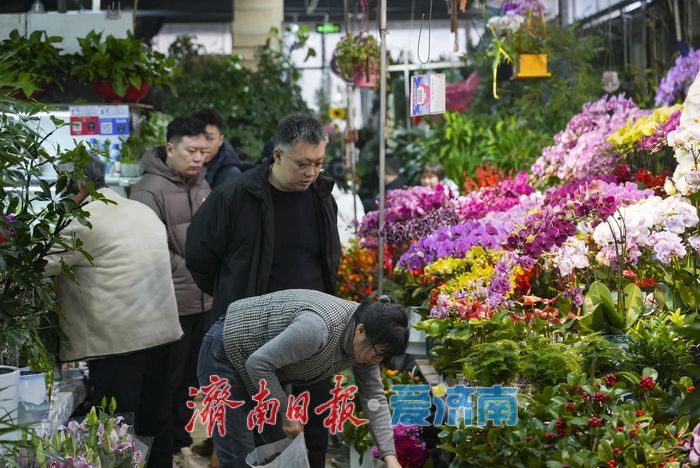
(300, 336)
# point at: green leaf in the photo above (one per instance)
(599, 309)
(634, 304)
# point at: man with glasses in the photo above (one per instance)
(270, 229)
(222, 161)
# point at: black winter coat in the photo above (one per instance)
(223, 166)
(230, 242)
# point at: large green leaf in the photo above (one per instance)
(634, 304)
(600, 313)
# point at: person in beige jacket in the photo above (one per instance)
(173, 186)
(120, 312)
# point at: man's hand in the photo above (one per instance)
(392, 462)
(291, 428)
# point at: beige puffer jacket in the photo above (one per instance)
(175, 200)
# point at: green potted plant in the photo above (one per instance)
(151, 132)
(39, 63)
(122, 70)
(519, 33)
(356, 60)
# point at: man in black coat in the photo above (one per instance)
(273, 228)
(222, 160)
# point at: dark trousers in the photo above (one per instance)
(139, 383)
(315, 434)
(184, 374)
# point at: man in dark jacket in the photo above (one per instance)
(273, 228)
(173, 186)
(222, 160)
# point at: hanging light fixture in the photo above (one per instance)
(37, 7)
(611, 82)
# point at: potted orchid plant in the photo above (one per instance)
(520, 33)
(100, 440)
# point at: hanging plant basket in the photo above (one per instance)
(105, 90)
(362, 77)
(531, 66)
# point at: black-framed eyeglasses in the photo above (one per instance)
(315, 166)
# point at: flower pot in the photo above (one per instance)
(416, 339)
(104, 89)
(129, 170)
(367, 461)
(9, 398)
(32, 387)
(531, 66)
(363, 79)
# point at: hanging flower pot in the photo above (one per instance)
(362, 77)
(105, 90)
(531, 66)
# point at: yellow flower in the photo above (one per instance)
(439, 390)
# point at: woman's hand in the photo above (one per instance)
(291, 428)
(392, 462)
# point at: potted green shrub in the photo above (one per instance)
(151, 132)
(121, 70)
(356, 60)
(39, 63)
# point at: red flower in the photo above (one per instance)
(629, 274)
(570, 407)
(640, 413)
(610, 380)
(646, 383)
(646, 283)
(633, 432)
(691, 388)
(595, 422)
(600, 397)
(621, 429)
(671, 459)
(612, 464)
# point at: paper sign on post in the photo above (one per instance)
(427, 94)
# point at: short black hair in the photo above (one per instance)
(434, 168)
(184, 127)
(299, 127)
(210, 117)
(392, 165)
(386, 324)
(95, 172)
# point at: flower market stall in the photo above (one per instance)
(575, 283)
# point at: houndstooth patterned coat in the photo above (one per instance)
(252, 322)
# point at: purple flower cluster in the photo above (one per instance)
(582, 149)
(523, 7)
(657, 140)
(499, 287)
(501, 197)
(542, 232)
(411, 450)
(678, 79)
(452, 241)
(398, 234)
(405, 205)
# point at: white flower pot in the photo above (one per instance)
(9, 397)
(32, 388)
(416, 339)
(367, 460)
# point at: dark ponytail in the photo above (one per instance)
(386, 324)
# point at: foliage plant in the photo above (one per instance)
(493, 362)
(39, 61)
(356, 50)
(547, 362)
(612, 420)
(151, 132)
(31, 223)
(251, 101)
(126, 62)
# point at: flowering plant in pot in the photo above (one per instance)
(122, 69)
(356, 59)
(520, 31)
(99, 440)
